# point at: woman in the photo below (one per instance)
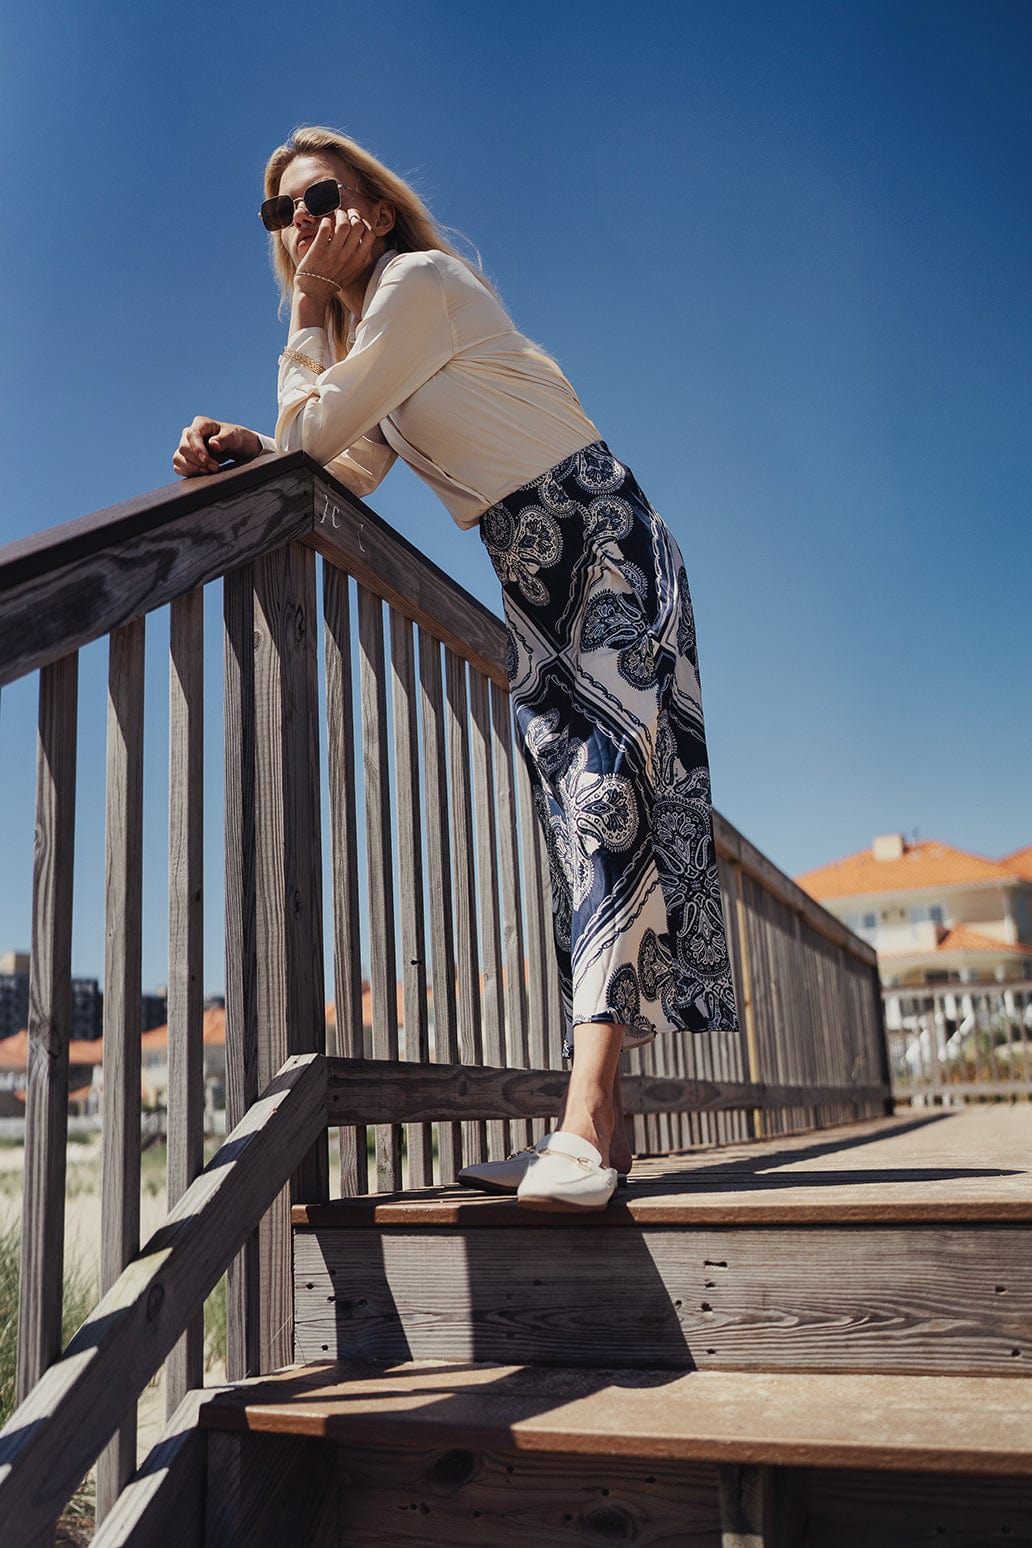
(397, 347)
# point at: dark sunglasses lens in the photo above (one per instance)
(321, 198)
(277, 213)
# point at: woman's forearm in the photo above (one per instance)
(306, 311)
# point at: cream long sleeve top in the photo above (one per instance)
(438, 375)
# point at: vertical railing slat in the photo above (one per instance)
(123, 899)
(291, 992)
(50, 1014)
(347, 951)
(243, 1285)
(485, 796)
(383, 975)
(464, 882)
(185, 1366)
(516, 1036)
(539, 918)
(418, 1136)
(438, 861)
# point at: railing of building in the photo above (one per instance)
(432, 839)
(960, 1042)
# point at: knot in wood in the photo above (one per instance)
(299, 624)
(155, 1298)
(609, 1524)
(452, 1470)
(299, 903)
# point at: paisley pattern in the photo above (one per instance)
(604, 677)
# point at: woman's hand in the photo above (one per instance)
(342, 254)
(205, 443)
(339, 253)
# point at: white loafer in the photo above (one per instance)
(566, 1173)
(501, 1176)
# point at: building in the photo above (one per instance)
(87, 1002)
(934, 914)
(14, 992)
(154, 1063)
(87, 1009)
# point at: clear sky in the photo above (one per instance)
(782, 250)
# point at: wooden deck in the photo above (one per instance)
(958, 1165)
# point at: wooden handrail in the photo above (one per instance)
(395, 1091)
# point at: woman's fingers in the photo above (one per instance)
(206, 442)
(337, 250)
(191, 456)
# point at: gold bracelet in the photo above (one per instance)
(325, 278)
(304, 360)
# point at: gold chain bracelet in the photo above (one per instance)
(304, 360)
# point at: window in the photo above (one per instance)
(925, 912)
(870, 922)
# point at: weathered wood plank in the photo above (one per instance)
(760, 1507)
(906, 1297)
(185, 1367)
(383, 971)
(490, 925)
(506, 1498)
(471, 1048)
(385, 1091)
(163, 1503)
(243, 1287)
(858, 1507)
(539, 915)
(270, 1490)
(50, 1441)
(517, 1045)
(78, 582)
(978, 1425)
(123, 902)
(289, 890)
(418, 1137)
(735, 847)
(347, 948)
(353, 537)
(438, 863)
(50, 1013)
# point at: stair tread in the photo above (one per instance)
(971, 1164)
(891, 1422)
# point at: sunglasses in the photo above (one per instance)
(319, 200)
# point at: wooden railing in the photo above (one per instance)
(960, 1042)
(436, 875)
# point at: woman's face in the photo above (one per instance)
(301, 173)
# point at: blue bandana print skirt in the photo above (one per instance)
(604, 677)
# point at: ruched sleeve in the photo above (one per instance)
(402, 341)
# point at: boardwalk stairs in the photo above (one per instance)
(793, 1343)
(770, 1342)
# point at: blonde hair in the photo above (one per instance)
(414, 231)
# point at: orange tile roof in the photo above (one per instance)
(367, 1006)
(214, 1031)
(1020, 861)
(963, 941)
(14, 1051)
(924, 864)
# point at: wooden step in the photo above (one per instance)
(506, 1456)
(934, 1424)
(899, 1245)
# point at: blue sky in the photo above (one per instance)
(782, 251)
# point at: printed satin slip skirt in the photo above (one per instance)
(604, 677)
